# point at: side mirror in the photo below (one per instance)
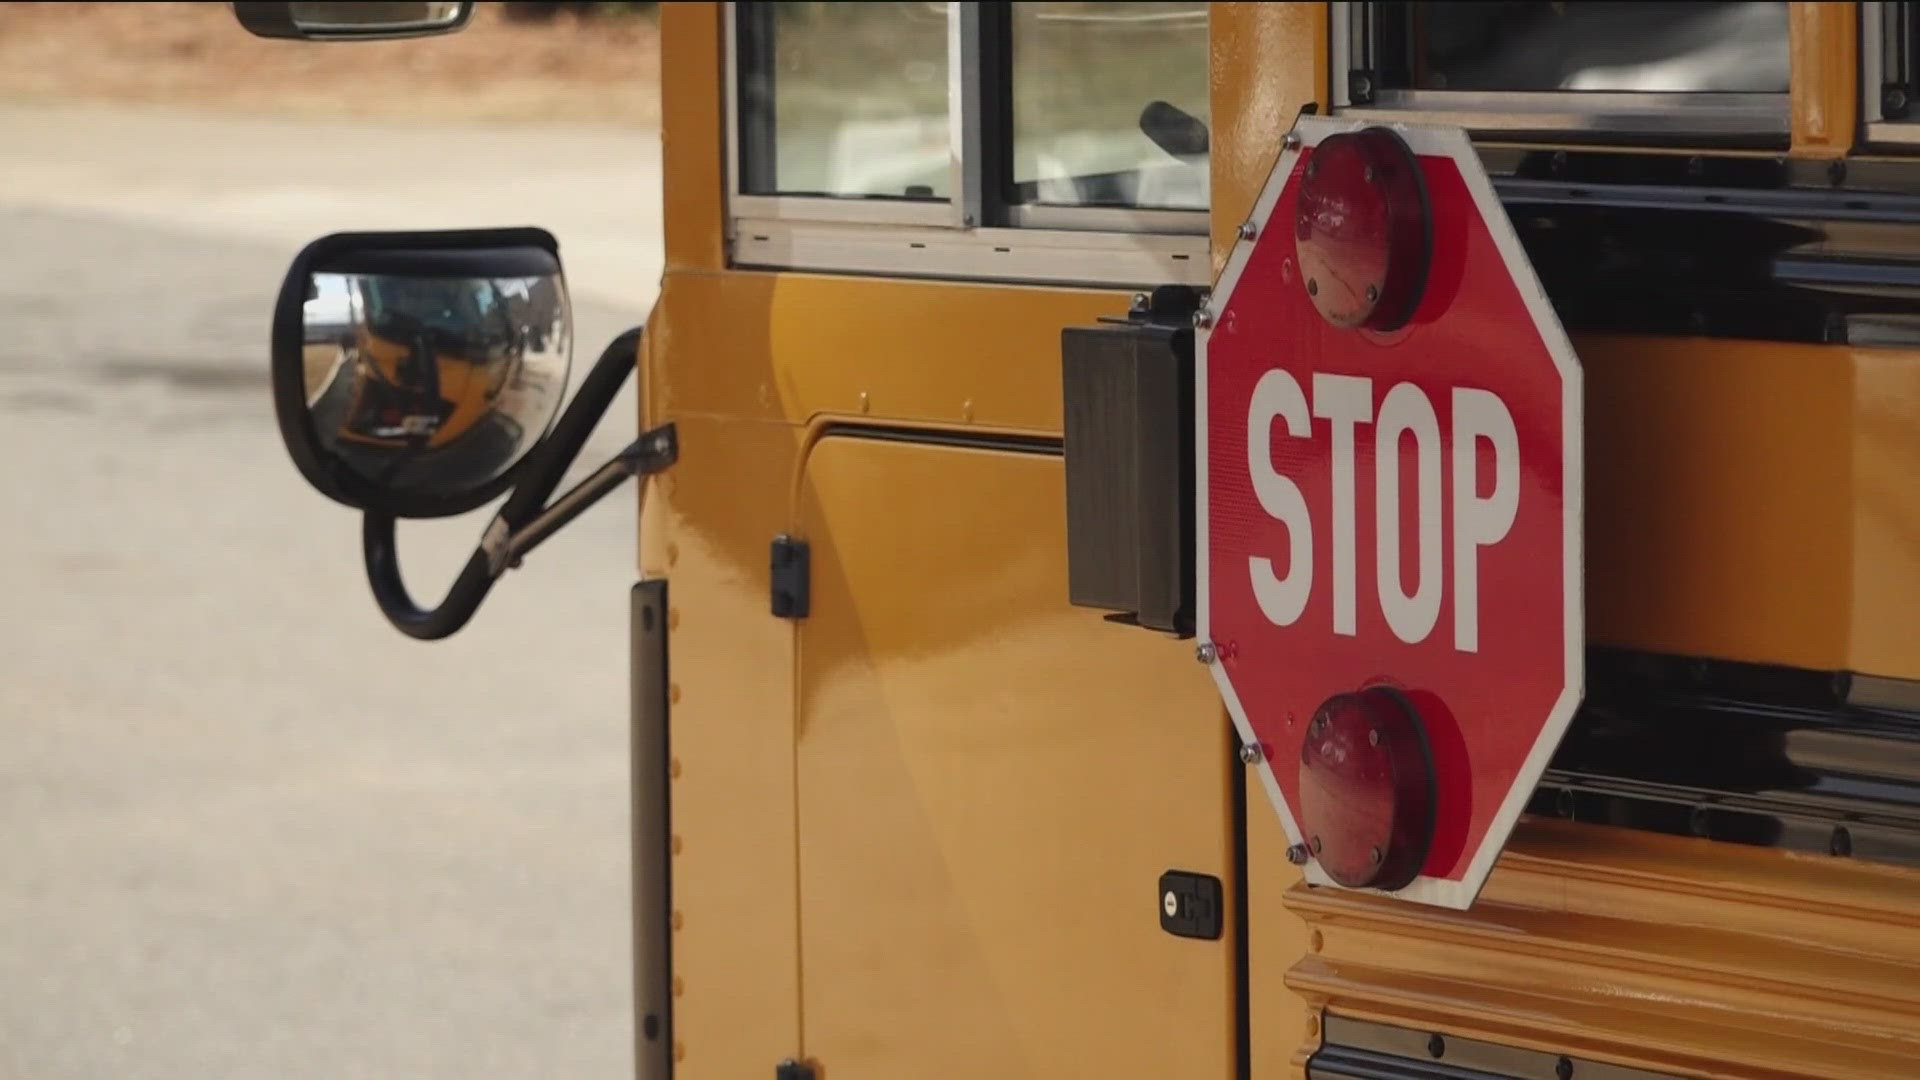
(420, 368)
(344, 21)
(420, 374)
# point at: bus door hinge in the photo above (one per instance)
(789, 578)
(792, 1070)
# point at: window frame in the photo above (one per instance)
(971, 234)
(1747, 119)
(827, 208)
(1885, 51)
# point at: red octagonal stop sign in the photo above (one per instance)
(1388, 447)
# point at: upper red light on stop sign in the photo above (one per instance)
(1431, 477)
(1361, 230)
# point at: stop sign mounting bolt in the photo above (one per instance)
(1248, 231)
(1252, 753)
(1291, 142)
(1314, 843)
(1202, 318)
(1297, 854)
(1206, 653)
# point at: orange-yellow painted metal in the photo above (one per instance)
(791, 347)
(845, 889)
(1267, 62)
(1718, 498)
(1284, 1027)
(1824, 41)
(752, 366)
(735, 943)
(1884, 513)
(1680, 956)
(990, 784)
(853, 794)
(1750, 500)
(692, 133)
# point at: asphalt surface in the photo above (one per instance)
(249, 830)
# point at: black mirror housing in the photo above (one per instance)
(413, 372)
(341, 21)
(421, 374)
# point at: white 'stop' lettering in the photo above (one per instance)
(1480, 520)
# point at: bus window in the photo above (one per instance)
(1889, 76)
(1109, 106)
(1682, 70)
(843, 101)
(1044, 142)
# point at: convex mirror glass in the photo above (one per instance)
(413, 371)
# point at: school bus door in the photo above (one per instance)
(990, 786)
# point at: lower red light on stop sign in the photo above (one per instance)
(1396, 511)
(1366, 789)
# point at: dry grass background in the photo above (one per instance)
(196, 56)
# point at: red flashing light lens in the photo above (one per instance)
(1367, 790)
(1364, 230)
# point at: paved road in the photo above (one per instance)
(249, 831)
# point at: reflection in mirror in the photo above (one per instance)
(375, 17)
(433, 385)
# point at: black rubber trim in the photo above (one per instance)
(529, 260)
(1242, 924)
(1712, 246)
(1738, 752)
(1044, 445)
(534, 479)
(1350, 1063)
(651, 830)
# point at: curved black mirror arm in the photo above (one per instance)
(524, 519)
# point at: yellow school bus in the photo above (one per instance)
(903, 809)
